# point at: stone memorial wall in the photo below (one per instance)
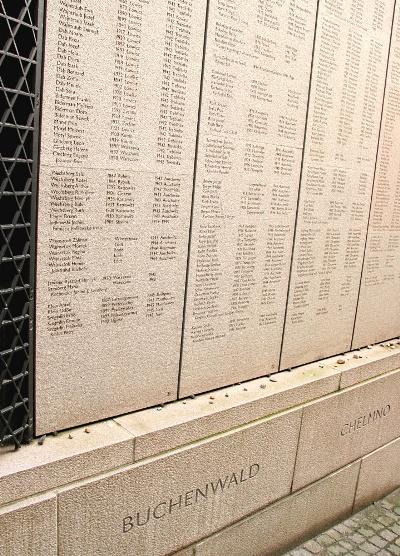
(256, 79)
(266, 466)
(206, 176)
(378, 316)
(121, 88)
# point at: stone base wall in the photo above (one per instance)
(252, 469)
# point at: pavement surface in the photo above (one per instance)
(375, 530)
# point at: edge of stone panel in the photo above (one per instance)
(183, 421)
(174, 451)
(116, 443)
(29, 526)
(27, 502)
(369, 362)
(166, 427)
(379, 474)
(56, 460)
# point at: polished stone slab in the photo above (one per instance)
(29, 527)
(164, 504)
(287, 523)
(346, 426)
(119, 120)
(378, 315)
(379, 474)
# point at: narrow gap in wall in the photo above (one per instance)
(42, 10)
(193, 193)
(300, 183)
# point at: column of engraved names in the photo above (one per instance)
(342, 134)
(72, 106)
(174, 85)
(167, 193)
(127, 52)
(378, 316)
(113, 210)
(69, 193)
(121, 303)
(251, 134)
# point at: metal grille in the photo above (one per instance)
(19, 42)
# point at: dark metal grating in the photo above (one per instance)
(19, 44)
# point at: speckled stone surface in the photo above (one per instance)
(165, 428)
(380, 473)
(164, 504)
(118, 304)
(29, 527)
(62, 459)
(348, 425)
(378, 314)
(289, 521)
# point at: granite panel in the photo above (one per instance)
(379, 475)
(29, 528)
(368, 363)
(289, 522)
(254, 101)
(164, 504)
(349, 69)
(345, 426)
(120, 102)
(378, 315)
